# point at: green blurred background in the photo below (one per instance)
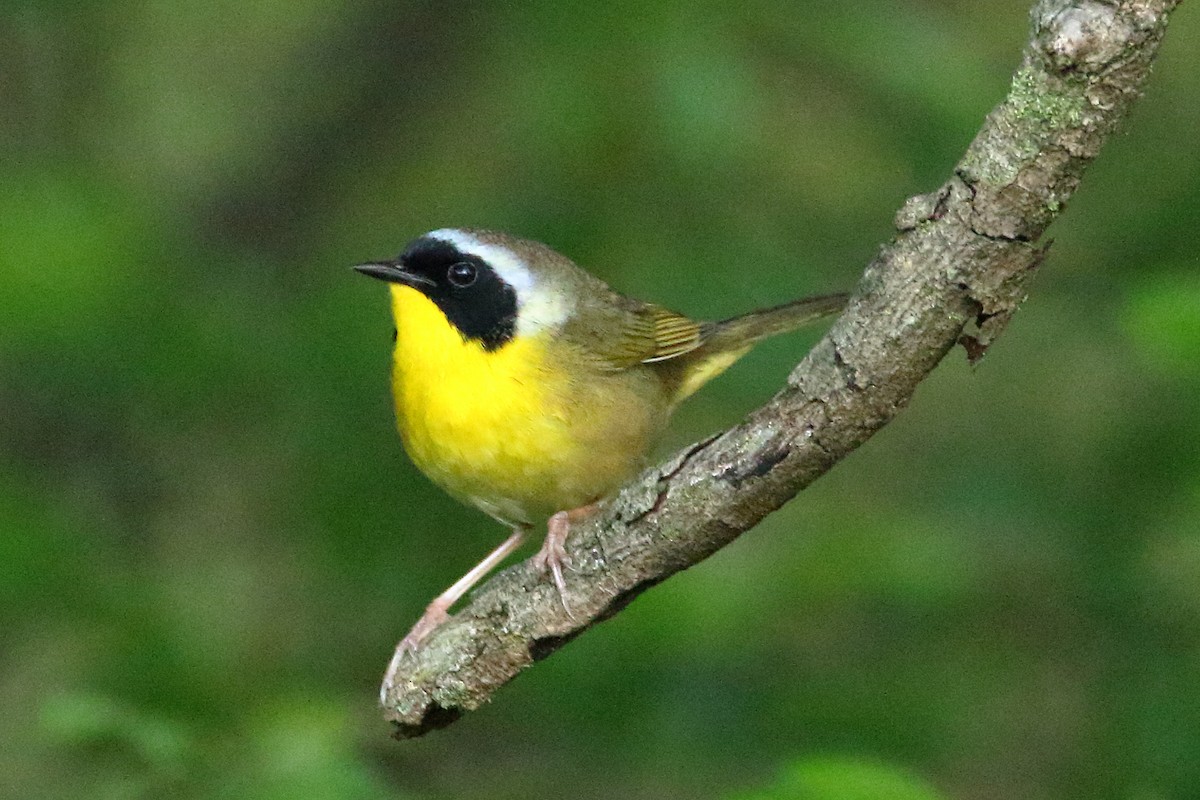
(211, 539)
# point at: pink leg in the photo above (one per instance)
(437, 612)
(553, 555)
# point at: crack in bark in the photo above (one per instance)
(669, 471)
(761, 465)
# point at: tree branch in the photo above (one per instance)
(963, 257)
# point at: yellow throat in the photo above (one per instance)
(510, 431)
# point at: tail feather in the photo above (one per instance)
(728, 340)
(737, 332)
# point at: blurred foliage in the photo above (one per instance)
(211, 539)
(818, 778)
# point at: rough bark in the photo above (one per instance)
(955, 273)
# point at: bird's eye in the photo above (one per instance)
(462, 274)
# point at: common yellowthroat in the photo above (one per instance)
(529, 389)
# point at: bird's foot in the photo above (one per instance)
(552, 558)
(435, 614)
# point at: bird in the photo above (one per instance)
(528, 388)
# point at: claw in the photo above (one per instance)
(434, 616)
(553, 555)
(438, 611)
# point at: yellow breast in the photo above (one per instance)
(512, 431)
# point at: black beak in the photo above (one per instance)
(393, 272)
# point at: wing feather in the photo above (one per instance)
(635, 333)
(672, 335)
